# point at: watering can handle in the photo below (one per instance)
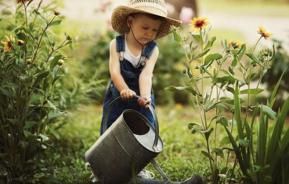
(156, 125)
(155, 144)
(152, 112)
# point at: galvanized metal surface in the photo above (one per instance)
(124, 149)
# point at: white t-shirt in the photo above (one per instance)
(128, 55)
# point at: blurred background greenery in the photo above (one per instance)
(87, 74)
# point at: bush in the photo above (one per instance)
(168, 73)
(222, 90)
(271, 77)
(96, 66)
(31, 66)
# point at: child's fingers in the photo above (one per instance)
(123, 94)
(144, 102)
(132, 94)
(148, 103)
(127, 94)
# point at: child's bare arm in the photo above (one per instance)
(145, 79)
(115, 74)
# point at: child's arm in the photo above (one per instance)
(145, 79)
(115, 74)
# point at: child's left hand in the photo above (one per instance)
(144, 102)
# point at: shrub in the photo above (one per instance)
(31, 66)
(271, 77)
(221, 85)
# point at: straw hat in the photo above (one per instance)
(154, 7)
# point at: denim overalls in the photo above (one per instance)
(112, 108)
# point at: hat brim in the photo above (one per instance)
(120, 14)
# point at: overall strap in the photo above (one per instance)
(120, 47)
(147, 52)
(149, 49)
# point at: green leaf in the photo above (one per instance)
(51, 105)
(275, 90)
(5, 92)
(206, 154)
(194, 127)
(231, 70)
(262, 140)
(207, 132)
(268, 111)
(237, 111)
(55, 22)
(253, 58)
(39, 77)
(211, 57)
(30, 124)
(223, 121)
(285, 141)
(210, 43)
(54, 60)
(43, 137)
(179, 88)
(250, 77)
(177, 37)
(202, 54)
(243, 142)
(251, 91)
(230, 89)
(225, 80)
(197, 37)
(235, 61)
(237, 151)
(241, 52)
(183, 88)
(210, 105)
(277, 131)
(55, 114)
(218, 152)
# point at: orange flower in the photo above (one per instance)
(234, 44)
(263, 32)
(8, 44)
(199, 22)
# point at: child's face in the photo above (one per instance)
(145, 28)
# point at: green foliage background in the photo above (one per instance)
(50, 113)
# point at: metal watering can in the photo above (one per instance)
(125, 148)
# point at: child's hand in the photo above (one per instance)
(144, 102)
(127, 94)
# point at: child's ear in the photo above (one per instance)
(129, 21)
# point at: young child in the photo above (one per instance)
(133, 56)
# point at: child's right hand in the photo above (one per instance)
(127, 94)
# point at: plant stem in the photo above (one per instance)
(40, 39)
(257, 43)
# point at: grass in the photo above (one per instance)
(181, 156)
(179, 159)
(246, 7)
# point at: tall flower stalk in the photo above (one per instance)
(219, 82)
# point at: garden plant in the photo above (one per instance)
(47, 122)
(31, 93)
(223, 88)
